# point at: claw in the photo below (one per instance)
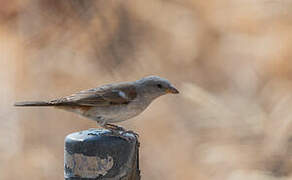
(131, 132)
(121, 134)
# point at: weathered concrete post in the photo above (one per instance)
(99, 154)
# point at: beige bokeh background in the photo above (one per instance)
(230, 59)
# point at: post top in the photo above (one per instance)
(97, 133)
(95, 138)
(95, 153)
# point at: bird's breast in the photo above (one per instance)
(117, 113)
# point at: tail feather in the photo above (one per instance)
(33, 103)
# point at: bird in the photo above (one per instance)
(112, 103)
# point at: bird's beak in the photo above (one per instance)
(172, 90)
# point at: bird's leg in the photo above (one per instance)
(104, 125)
(111, 127)
(114, 127)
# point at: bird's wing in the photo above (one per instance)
(102, 96)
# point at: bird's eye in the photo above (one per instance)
(159, 86)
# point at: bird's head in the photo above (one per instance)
(155, 86)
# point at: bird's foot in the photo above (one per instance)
(121, 132)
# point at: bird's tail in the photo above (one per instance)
(33, 103)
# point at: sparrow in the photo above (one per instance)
(112, 103)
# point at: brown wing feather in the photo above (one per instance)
(102, 96)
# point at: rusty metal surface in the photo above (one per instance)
(99, 154)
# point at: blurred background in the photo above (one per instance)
(230, 59)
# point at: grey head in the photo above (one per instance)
(155, 86)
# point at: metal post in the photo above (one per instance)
(100, 154)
